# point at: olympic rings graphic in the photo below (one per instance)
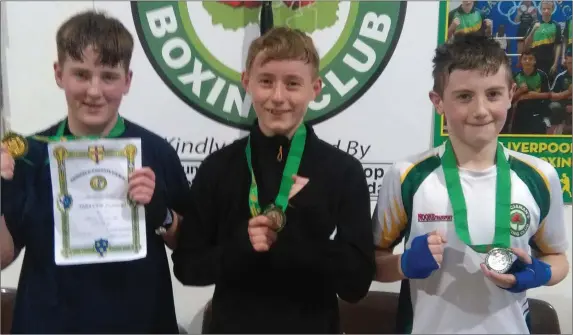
(509, 8)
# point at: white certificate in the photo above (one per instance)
(94, 220)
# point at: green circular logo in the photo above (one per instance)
(519, 219)
(199, 49)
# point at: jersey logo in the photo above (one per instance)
(519, 219)
(430, 217)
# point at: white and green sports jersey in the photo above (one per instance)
(458, 298)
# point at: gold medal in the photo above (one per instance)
(277, 216)
(17, 145)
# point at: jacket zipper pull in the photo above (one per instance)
(280, 154)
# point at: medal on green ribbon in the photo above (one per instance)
(276, 211)
(499, 250)
(499, 260)
(16, 144)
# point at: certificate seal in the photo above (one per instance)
(499, 260)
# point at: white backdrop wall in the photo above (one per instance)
(391, 120)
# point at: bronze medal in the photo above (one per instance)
(17, 145)
(499, 260)
(277, 216)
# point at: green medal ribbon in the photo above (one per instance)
(291, 168)
(502, 200)
(117, 130)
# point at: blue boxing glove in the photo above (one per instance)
(419, 261)
(528, 276)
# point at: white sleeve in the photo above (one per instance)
(551, 236)
(389, 220)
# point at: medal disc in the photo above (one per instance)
(277, 216)
(499, 260)
(16, 144)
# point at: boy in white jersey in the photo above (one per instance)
(500, 198)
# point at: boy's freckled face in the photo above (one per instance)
(281, 91)
(475, 105)
(93, 91)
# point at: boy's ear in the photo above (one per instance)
(58, 74)
(512, 90)
(128, 80)
(436, 100)
(245, 80)
(316, 87)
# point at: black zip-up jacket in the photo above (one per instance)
(324, 250)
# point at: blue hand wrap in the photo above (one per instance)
(418, 262)
(528, 276)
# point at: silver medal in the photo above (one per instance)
(499, 260)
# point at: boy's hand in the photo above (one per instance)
(488, 23)
(7, 163)
(456, 22)
(261, 233)
(142, 185)
(424, 256)
(297, 186)
(526, 272)
(436, 243)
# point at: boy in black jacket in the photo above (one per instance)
(279, 221)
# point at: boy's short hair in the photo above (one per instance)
(527, 52)
(551, 2)
(282, 43)
(468, 52)
(107, 35)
